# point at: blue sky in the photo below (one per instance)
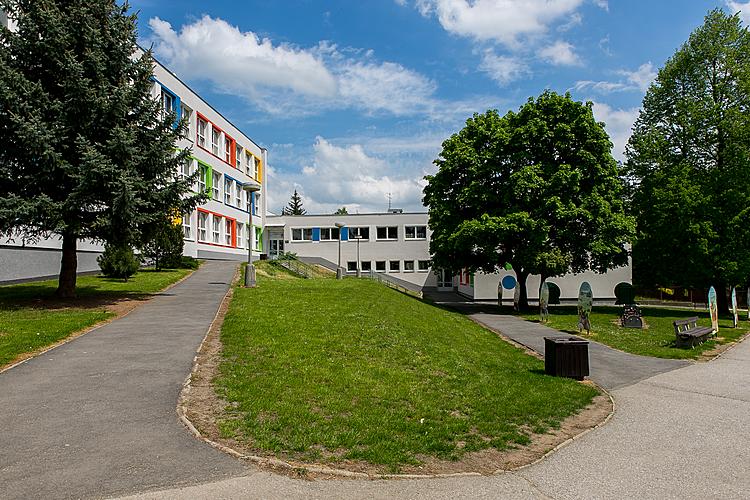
(353, 99)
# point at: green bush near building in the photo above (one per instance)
(329, 370)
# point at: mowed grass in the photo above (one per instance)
(329, 370)
(31, 318)
(657, 340)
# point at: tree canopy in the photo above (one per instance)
(341, 211)
(537, 188)
(87, 153)
(295, 206)
(689, 163)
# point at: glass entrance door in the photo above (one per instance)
(444, 281)
(276, 248)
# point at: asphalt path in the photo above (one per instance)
(96, 417)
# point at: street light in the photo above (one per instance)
(250, 188)
(339, 271)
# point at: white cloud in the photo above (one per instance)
(503, 69)
(348, 176)
(638, 80)
(619, 125)
(742, 8)
(602, 4)
(503, 21)
(285, 79)
(560, 53)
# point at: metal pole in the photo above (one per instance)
(339, 271)
(250, 269)
(359, 271)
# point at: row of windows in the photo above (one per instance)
(230, 191)
(221, 144)
(393, 266)
(382, 233)
(217, 229)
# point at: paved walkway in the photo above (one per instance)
(96, 417)
(609, 367)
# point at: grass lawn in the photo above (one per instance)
(330, 370)
(657, 340)
(31, 318)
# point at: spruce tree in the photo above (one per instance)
(87, 153)
(295, 206)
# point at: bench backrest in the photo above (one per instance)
(682, 325)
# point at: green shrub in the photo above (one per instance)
(189, 263)
(119, 262)
(163, 245)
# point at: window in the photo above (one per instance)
(238, 195)
(215, 136)
(256, 205)
(423, 266)
(228, 190)
(248, 200)
(258, 238)
(362, 233)
(228, 232)
(365, 265)
(387, 233)
(202, 226)
(187, 226)
(187, 114)
(351, 266)
(202, 128)
(415, 232)
(202, 179)
(380, 266)
(408, 266)
(329, 233)
(216, 186)
(238, 157)
(394, 266)
(168, 102)
(216, 233)
(227, 149)
(302, 234)
(249, 163)
(240, 240)
(186, 169)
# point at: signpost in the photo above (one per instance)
(713, 308)
(585, 303)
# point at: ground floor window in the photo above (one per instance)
(240, 229)
(424, 265)
(302, 234)
(187, 226)
(216, 233)
(202, 226)
(380, 266)
(409, 266)
(394, 266)
(228, 232)
(365, 265)
(258, 239)
(351, 266)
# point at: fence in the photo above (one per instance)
(395, 283)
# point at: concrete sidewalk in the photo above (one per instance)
(96, 417)
(678, 435)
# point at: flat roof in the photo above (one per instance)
(350, 215)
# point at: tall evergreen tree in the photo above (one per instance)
(538, 189)
(295, 206)
(87, 153)
(689, 161)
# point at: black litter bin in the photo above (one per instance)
(566, 357)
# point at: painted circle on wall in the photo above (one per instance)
(509, 282)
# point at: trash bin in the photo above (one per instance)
(566, 357)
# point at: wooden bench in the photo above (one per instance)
(689, 334)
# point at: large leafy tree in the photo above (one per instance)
(537, 189)
(87, 153)
(689, 162)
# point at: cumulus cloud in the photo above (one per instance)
(618, 124)
(503, 69)
(504, 21)
(560, 53)
(742, 8)
(348, 175)
(642, 77)
(282, 78)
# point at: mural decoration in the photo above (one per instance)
(748, 303)
(509, 282)
(625, 293)
(544, 302)
(516, 296)
(713, 309)
(554, 293)
(735, 317)
(585, 303)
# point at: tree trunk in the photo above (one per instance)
(523, 300)
(66, 287)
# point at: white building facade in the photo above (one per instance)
(226, 160)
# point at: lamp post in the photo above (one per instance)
(339, 271)
(250, 188)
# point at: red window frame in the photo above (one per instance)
(209, 140)
(234, 229)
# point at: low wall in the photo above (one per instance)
(25, 263)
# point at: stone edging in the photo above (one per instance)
(275, 463)
(75, 335)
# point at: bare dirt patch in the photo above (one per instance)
(204, 409)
